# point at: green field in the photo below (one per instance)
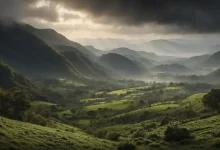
(124, 91)
(36, 103)
(120, 104)
(90, 100)
(173, 88)
(152, 109)
(24, 136)
(84, 122)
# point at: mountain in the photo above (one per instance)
(171, 69)
(121, 65)
(215, 73)
(106, 43)
(164, 47)
(133, 55)
(81, 62)
(9, 78)
(52, 37)
(213, 60)
(94, 50)
(30, 55)
(195, 61)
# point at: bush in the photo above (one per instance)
(153, 137)
(138, 133)
(101, 133)
(155, 145)
(216, 134)
(165, 120)
(113, 136)
(174, 133)
(150, 126)
(126, 146)
(37, 119)
(215, 143)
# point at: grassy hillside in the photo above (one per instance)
(24, 136)
(81, 62)
(121, 65)
(9, 78)
(30, 55)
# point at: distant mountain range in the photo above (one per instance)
(122, 65)
(171, 69)
(46, 53)
(172, 47)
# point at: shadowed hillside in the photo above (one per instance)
(28, 54)
(52, 37)
(10, 79)
(81, 62)
(121, 64)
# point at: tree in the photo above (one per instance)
(212, 99)
(13, 104)
(92, 113)
(21, 103)
(126, 146)
(174, 133)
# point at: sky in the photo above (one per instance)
(123, 19)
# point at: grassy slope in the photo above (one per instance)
(20, 135)
(122, 104)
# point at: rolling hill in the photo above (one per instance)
(213, 60)
(30, 55)
(95, 51)
(195, 61)
(25, 136)
(121, 65)
(81, 62)
(133, 55)
(171, 68)
(164, 47)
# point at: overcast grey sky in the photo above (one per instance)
(128, 19)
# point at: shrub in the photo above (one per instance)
(113, 136)
(165, 120)
(139, 141)
(216, 143)
(155, 145)
(101, 133)
(150, 126)
(216, 134)
(153, 137)
(138, 133)
(174, 133)
(126, 146)
(37, 119)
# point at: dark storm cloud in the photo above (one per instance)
(168, 16)
(188, 15)
(21, 9)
